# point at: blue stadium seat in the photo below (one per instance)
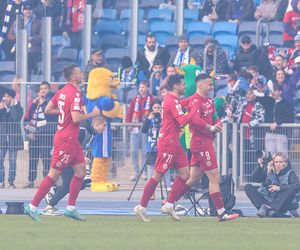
(275, 39)
(190, 15)
(7, 67)
(276, 28)
(171, 44)
(228, 42)
(247, 28)
(8, 77)
(162, 15)
(67, 55)
(142, 27)
(113, 58)
(150, 4)
(197, 42)
(105, 14)
(141, 41)
(126, 15)
(57, 69)
(112, 41)
(107, 27)
(198, 28)
(224, 28)
(162, 30)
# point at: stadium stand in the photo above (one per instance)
(198, 28)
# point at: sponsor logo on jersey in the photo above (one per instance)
(58, 164)
(208, 163)
(165, 166)
(62, 96)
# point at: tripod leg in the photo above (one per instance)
(161, 191)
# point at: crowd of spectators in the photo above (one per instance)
(260, 82)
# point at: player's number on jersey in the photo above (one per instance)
(207, 155)
(61, 116)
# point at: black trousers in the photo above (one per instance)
(62, 190)
(39, 148)
(282, 203)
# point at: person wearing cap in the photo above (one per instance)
(184, 55)
(149, 53)
(129, 75)
(11, 139)
(291, 24)
(96, 61)
(222, 60)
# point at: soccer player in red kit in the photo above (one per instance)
(68, 104)
(169, 152)
(203, 126)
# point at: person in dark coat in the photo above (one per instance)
(11, 140)
(151, 52)
(240, 10)
(277, 193)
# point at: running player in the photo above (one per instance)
(68, 104)
(169, 152)
(203, 126)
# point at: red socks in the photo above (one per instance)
(217, 200)
(148, 192)
(75, 187)
(44, 188)
(179, 188)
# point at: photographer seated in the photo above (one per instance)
(279, 186)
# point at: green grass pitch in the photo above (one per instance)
(128, 233)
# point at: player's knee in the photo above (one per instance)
(54, 174)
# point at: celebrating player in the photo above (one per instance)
(169, 152)
(68, 104)
(203, 126)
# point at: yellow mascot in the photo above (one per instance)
(101, 82)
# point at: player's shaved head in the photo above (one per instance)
(68, 71)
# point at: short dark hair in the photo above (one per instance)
(173, 80)
(156, 101)
(145, 82)
(10, 92)
(44, 83)
(246, 39)
(150, 35)
(68, 71)
(201, 77)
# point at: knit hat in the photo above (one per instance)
(126, 62)
(297, 38)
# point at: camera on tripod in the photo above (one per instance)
(265, 156)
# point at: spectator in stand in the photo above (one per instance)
(214, 10)
(288, 83)
(170, 71)
(139, 108)
(247, 54)
(196, 4)
(73, 21)
(282, 9)
(129, 75)
(276, 139)
(34, 33)
(279, 63)
(222, 61)
(249, 111)
(291, 24)
(294, 53)
(97, 60)
(277, 193)
(53, 9)
(151, 51)
(11, 140)
(169, 4)
(184, 55)
(156, 77)
(40, 129)
(240, 10)
(267, 10)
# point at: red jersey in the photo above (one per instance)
(172, 119)
(205, 115)
(291, 17)
(68, 99)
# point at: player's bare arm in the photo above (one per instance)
(79, 117)
(52, 109)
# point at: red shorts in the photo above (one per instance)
(169, 156)
(66, 152)
(204, 157)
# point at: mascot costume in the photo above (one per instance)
(101, 82)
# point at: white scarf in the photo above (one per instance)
(182, 58)
(150, 55)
